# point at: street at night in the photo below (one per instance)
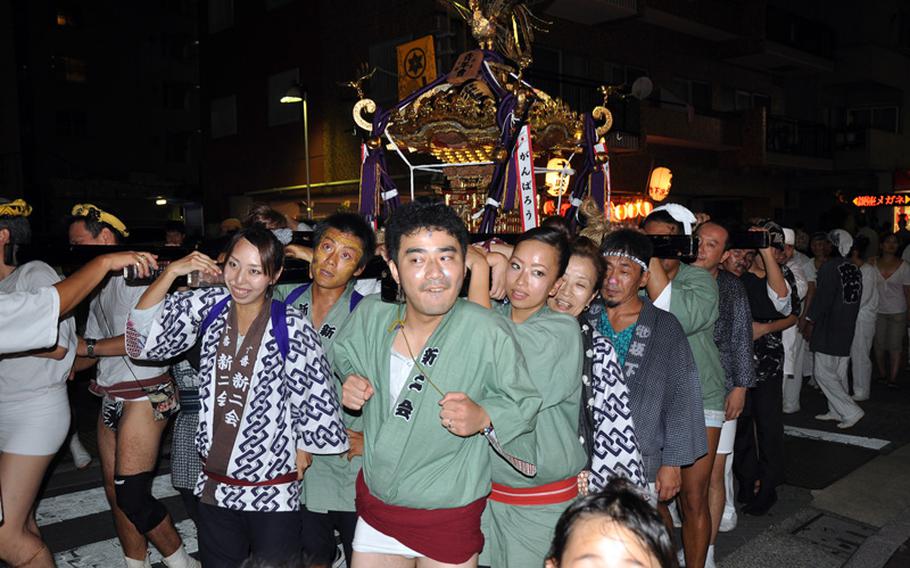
(454, 284)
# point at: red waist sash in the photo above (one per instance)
(549, 494)
(286, 478)
(451, 536)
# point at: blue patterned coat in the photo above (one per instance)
(292, 404)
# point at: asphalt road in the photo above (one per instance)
(77, 525)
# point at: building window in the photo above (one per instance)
(224, 116)
(684, 93)
(885, 118)
(221, 15)
(70, 123)
(70, 69)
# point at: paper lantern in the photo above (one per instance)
(557, 181)
(659, 183)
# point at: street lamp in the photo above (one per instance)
(297, 94)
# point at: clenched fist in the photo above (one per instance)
(355, 392)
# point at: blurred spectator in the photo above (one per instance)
(174, 234)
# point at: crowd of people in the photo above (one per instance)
(566, 395)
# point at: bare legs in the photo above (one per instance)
(717, 499)
(20, 540)
(693, 501)
(134, 449)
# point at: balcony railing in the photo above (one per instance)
(797, 137)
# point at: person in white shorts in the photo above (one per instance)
(34, 410)
(138, 400)
(733, 336)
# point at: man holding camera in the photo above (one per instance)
(693, 300)
(758, 452)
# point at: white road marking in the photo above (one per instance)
(107, 553)
(860, 441)
(90, 501)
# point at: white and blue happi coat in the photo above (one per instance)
(615, 449)
(292, 404)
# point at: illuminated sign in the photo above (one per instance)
(881, 200)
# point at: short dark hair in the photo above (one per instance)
(352, 224)
(271, 251)
(20, 230)
(549, 236)
(628, 241)
(423, 214)
(663, 216)
(94, 226)
(265, 216)
(725, 225)
(20, 233)
(621, 503)
(584, 247)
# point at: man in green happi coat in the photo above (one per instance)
(438, 380)
(343, 245)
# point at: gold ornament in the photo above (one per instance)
(374, 143)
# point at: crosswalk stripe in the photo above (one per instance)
(108, 554)
(825, 436)
(90, 501)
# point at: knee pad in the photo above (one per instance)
(134, 497)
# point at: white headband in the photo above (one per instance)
(623, 254)
(680, 214)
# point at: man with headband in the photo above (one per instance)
(664, 390)
(689, 293)
(439, 381)
(138, 400)
(831, 325)
(343, 245)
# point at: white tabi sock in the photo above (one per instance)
(709, 559)
(133, 563)
(181, 559)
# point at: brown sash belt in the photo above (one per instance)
(129, 389)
